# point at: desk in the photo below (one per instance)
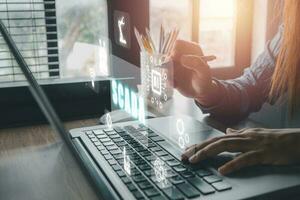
(35, 165)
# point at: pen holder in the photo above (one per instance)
(157, 79)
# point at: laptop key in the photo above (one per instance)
(145, 185)
(151, 192)
(188, 190)
(149, 173)
(145, 167)
(98, 132)
(203, 172)
(126, 180)
(108, 157)
(118, 129)
(170, 174)
(151, 158)
(137, 194)
(118, 156)
(100, 148)
(145, 153)
(179, 169)
(138, 178)
(131, 187)
(212, 178)
(201, 185)
(117, 140)
(104, 152)
(106, 139)
(114, 136)
(121, 144)
(116, 167)
(173, 163)
(108, 130)
(159, 197)
(157, 139)
(187, 174)
(164, 184)
(112, 162)
(121, 173)
(108, 143)
(120, 161)
(112, 147)
(94, 139)
(173, 193)
(89, 133)
(97, 143)
(167, 158)
(101, 136)
(176, 180)
(116, 151)
(221, 186)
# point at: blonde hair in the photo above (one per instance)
(286, 77)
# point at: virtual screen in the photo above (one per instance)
(144, 87)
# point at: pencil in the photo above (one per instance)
(150, 40)
(138, 38)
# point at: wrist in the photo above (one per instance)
(210, 97)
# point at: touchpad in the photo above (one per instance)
(182, 130)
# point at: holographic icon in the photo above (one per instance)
(126, 162)
(103, 57)
(156, 82)
(93, 76)
(121, 24)
(160, 171)
(183, 138)
(108, 121)
(157, 76)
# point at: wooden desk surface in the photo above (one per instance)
(35, 165)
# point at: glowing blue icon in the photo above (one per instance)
(108, 121)
(121, 24)
(160, 171)
(93, 76)
(156, 82)
(103, 57)
(126, 162)
(183, 138)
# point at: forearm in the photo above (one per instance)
(229, 99)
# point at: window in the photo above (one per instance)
(222, 27)
(171, 14)
(58, 38)
(32, 24)
(217, 30)
(83, 37)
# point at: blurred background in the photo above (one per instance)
(236, 31)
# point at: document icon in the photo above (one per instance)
(156, 82)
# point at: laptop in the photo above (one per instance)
(131, 160)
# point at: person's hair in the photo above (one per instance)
(286, 77)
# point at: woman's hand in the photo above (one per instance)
(192, 76)
(257, 146)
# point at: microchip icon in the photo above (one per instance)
(156, 82)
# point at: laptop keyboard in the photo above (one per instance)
(148, 170)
